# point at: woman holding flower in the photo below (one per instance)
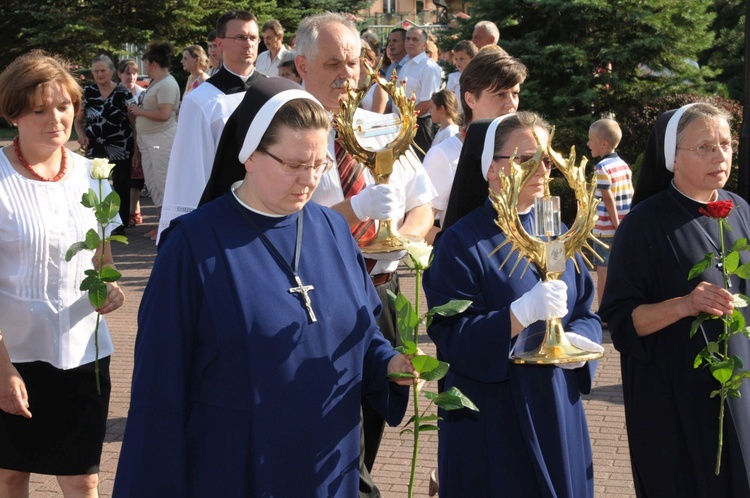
(51, 419)
(529, 437)
(650, 304)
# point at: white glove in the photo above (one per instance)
(583, 343)
(544, 301)
(379, 202)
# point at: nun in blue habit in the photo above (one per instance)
(257, 335)
(530, 436)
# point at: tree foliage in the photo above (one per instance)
(81, 29)
(727, 51)
(629, 59)
(588, 58)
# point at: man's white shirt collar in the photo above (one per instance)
(419, 58)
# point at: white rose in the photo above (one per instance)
(418, 255)
(101, 169)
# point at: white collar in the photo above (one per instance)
(715, 196)
(419, 58)
(235, 186)
(243, 78)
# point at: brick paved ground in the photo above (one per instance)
(604, 405)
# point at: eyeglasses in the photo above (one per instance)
(297, 169)
(703, 150)
(253, 40)
(548, 163)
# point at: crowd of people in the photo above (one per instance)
(266, 333)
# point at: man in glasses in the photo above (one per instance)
(204, 113)
(328, 48)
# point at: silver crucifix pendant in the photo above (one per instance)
(302, 290)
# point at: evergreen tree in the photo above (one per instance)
(727, 51)
(591, 57)
(79, 30)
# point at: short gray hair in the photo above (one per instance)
(308, 32)
(104, 58)
(491, 28)
(424, 32)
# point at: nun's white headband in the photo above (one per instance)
(670, 136)
(263, 118)
(489, 144)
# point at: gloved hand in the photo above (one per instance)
(583, 343)
(544, 301)
(379, 202)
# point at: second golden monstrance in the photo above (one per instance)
(352, 133)
(548, 249)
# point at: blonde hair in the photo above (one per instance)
(493, 48)
(199, 54)
(607, 129)
(431, 47)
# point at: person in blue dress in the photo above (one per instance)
(530, 436)
(257, 335)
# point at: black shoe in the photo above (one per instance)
(119, 231)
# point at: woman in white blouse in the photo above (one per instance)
(52, 421)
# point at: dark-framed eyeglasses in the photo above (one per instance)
(546, 161)
(703, 150)
(252, 39)
(297, 169)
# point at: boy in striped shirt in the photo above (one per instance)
(614, 188)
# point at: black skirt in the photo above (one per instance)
(69, 421)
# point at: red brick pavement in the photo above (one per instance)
(391, 472)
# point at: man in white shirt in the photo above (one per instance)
(423, 78)
(328, 48)
(485, 33)
(273, 38)
(205, 111)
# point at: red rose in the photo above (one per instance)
(717, 209)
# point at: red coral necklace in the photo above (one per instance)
(25, 164)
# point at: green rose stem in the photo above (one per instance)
(428, 367)
(415, 390)
(96, 280)
(726, 369)
(418, 285)
(725, 341)
(99, 268)
(415, 450)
